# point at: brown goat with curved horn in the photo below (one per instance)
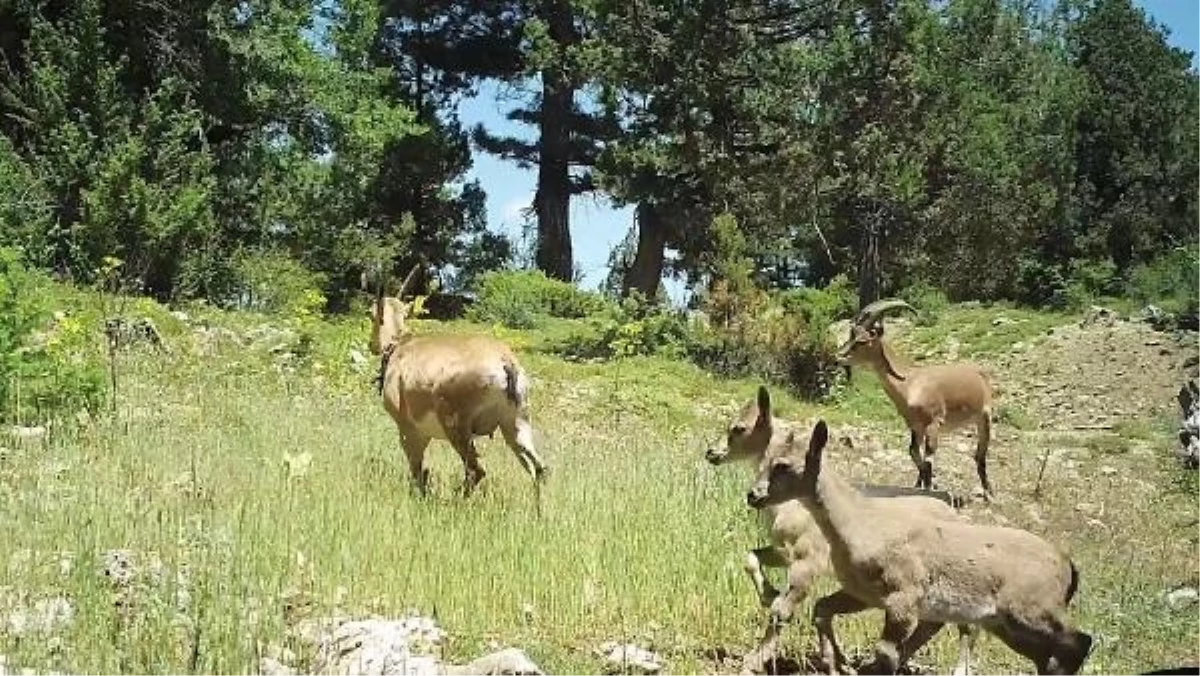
(450, 386)
(931, 398)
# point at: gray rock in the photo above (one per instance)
(627, 658)
(391, 647)
(1182, 597)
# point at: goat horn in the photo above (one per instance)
(412, 274)
(871, 313)
(379, 294)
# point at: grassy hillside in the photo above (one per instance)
(250, 488)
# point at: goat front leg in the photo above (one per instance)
(756, 559)
(931, 445)
(838, 603)
(920, 636)
(900, 621)
(782, 609)
(967, 634)
(916, 444)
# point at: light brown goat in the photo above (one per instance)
(932, 399)
(756, 436)
(452, 387)
(924, 573)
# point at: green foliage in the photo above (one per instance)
(273, 281)
(1040, 284)
(47, 369)
(1169, 281)
(928, 300)
(633, 327)
(785, 339)
(822, 306)
(520, 299)
(1090, 281)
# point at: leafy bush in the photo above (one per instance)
(1090, 281)
(519, 299)
(1040, 284)
(785, 339)
(635, 327)
(43, 373)
(928, 300)
(272, 281)
(1169, 282)
(813, 305)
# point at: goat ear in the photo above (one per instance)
(764, 402)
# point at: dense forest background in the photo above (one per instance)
(983, 149)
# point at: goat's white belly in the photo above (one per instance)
(944, 603)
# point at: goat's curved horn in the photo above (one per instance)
(379, 294)
(872, 313)
(412, 274)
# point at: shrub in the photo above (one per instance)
(519, 299)
(43, 373)
(1089, 281)
(272, 281)
(1040, 284)
(635, 327)
(813, 305)
(785, 339)
(1169, 281)
(928, 300)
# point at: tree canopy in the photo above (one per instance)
(992, 149)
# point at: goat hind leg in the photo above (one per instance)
(519, 436)
(464, 444)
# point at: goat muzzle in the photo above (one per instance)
(756, 497)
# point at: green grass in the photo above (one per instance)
(640, 539)
(984, 330)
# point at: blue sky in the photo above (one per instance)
(596, 226)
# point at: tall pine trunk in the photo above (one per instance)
(870, 273)
(645, 275)
(553, 199)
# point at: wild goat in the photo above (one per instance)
(924, 573)
(932, 399)
(797, 544)
(453, 387)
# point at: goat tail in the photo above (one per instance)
(1073, 585)
(513, 387)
